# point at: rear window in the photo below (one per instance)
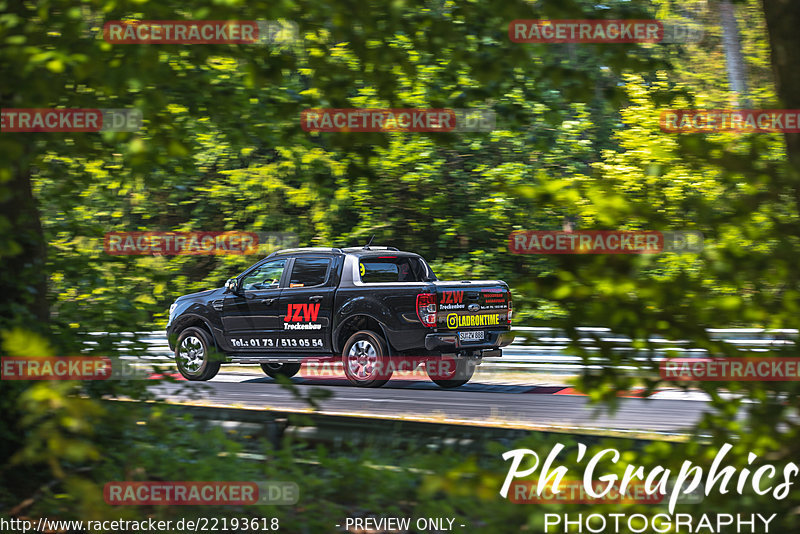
(391, 269)
(309, 272)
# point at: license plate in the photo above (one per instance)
(471, 336)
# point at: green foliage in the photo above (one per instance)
(222, 149)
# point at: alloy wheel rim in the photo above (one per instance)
(191, 353)
(362, 360)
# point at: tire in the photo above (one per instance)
(196, 355)
(285, 369)
(450, 373)
(366, 360)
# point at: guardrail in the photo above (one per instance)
(551, 347)
(252, 425)
(550, 352)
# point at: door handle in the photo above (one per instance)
(316, 298)
(267, 301)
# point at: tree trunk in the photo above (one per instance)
(23, 283)
(732, 42)
(783, 27)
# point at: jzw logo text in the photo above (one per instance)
(452, 297)
(300, 313)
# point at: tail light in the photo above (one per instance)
(426, 308)
(510, 308)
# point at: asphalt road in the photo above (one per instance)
(477, 403)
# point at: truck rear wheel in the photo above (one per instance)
(286, 369)
(366, 359)
(450, 373)
(195, 355)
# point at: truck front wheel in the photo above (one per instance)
(366, 360)
(195, 355)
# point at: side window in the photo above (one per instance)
(391, 269)
(309, 272)
(371, 271)
(268, 276)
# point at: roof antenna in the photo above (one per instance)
(366, 247)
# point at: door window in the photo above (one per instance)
(308, 272)
(268, 276)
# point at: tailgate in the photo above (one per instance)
(472, 305)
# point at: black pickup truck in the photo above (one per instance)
(365, 307)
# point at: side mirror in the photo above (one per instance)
(231, 285)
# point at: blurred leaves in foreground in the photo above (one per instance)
(222, 149)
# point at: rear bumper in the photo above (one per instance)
(448, 341)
